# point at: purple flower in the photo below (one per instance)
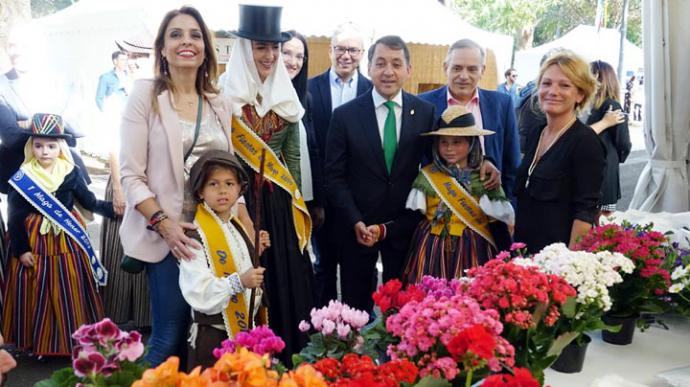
(88, 363)
(130, 347)
(107, 331)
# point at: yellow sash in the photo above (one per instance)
(222, 264)
(463, 205)
(248, 146)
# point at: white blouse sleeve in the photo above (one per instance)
(202, 290)
(416, 201)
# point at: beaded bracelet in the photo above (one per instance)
(156, 219)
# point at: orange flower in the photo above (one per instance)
(304, 376)
(165, 375)
(243, 368)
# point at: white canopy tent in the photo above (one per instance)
(663, 184)
(80, 38)
(589, 42)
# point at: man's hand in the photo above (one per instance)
(364, 236)
(489, 175)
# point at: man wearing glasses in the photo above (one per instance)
(341, 83)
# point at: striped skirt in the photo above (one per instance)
(3, 258)
(444, 257)
(126, 297)
(46, 303)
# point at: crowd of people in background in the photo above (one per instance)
(346, 167)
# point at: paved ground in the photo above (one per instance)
(31, 370)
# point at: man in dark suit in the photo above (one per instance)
(373, 154)
(341, 83)
(464, 66)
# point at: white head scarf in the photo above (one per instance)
(243, 84)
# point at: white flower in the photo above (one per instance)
(675, 288)
(679, 272)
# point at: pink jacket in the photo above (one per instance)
(151, 165)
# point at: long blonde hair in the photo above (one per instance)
(207, 72)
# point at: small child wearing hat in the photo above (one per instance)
(457, 232)
(52, 281)
(217, 283)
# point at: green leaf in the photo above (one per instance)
(61, 378)
(430, 381)
(570, 307)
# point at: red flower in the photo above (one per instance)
(390, 297)
(329, 368)
(475, 339)
(521, 378)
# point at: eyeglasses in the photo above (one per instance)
(513, 75)
(340, 50)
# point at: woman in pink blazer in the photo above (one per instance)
(168, 122)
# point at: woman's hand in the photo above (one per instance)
(611, 118)
(264, 241)
(174, 236)
(27, 259)
(489, 175)
(118, 201)
(252, 278)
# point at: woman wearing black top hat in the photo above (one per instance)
(266, 112)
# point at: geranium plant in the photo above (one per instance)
(337, 332)
(642, 289)
(592, 275)
(103, 356)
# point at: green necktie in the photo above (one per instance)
(390, 140)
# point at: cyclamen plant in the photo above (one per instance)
(103, 356)
(338, 332)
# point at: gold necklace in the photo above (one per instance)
(537, 157)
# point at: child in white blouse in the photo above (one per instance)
(218, 281)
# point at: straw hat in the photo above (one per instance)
(458, 121)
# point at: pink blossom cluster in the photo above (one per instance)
(336, 318)
(439, 287)
(426, 327)
(102, 346)
(259, 340)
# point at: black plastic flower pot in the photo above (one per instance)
(625, 335)
(572, 358)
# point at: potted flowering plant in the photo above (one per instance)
(361, 370)
(447, 335)
(529, 303)
(591, 274)
(103, 356)
(679, 291)
(239, 368)
(640, 290)
(337, 332)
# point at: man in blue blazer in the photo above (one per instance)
(341, 83)
(464, 67)
(373, 154)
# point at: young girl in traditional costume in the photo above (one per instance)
(217, 283)
(456, 233)
(52, 280)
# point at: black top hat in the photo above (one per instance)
(261, 23)
(47, 125)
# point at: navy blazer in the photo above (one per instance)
(320, 89)
(498, 115)
(357, 182)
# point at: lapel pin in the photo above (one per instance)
(412, 112)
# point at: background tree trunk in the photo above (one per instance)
(525, 37)
(11, 12)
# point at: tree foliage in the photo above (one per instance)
(534, 22)
(46, 7)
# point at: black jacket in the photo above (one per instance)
(357, 182)
(73, 188)
(616, 139)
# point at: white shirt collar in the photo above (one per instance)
(380, 100)
(337, 81)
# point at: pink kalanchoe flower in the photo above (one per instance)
(517, 246)
(304, 326)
